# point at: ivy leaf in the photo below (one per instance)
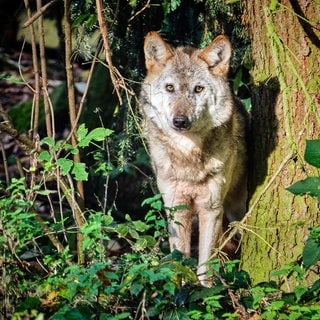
(312, 152)
(311, 253)
(309, 186)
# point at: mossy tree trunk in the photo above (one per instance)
(285, 112)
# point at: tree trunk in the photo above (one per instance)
(285, 112)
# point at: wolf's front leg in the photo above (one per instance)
(180, 220)
(210, 228)
(180, 223)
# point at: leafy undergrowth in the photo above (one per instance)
(145, 282)
(140, 279)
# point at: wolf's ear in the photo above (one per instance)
(217, 55)
(156, 50)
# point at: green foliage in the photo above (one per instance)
(170, 6)
(311, 250)
(144, 280)
(310, 185)
(18, 226)
(65, 164)
(312, 152)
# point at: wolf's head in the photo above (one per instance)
(186, 89)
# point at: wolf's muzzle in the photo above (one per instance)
(181, 123)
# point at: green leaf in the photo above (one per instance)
(45, 156)
(312, 152)
(144, 242)
(11, 79)
(207, 292)
(82, 132)
(276, 305)
(315, 286)
(310, 185)
(49, 141)
(79, 171)
(155, 202)
(99, 134)
(134, 234)
(65, 165)
(311, 253)
(122, 229)
(299, 291)
(140, 226)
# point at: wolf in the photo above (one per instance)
(196, 135)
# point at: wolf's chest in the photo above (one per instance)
(186, 161)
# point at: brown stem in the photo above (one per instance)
(44, 76)
(5, 163)
(40, 12)
(36, 98)
(104, 33)
(54, 240)
(73, 120)
(23, 141)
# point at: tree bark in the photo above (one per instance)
(285, 112)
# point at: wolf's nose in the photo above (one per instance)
(181, 122)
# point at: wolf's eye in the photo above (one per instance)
(198, 89)
(170, 87)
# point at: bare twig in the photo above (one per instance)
(36, 89)
(54, 240)
(44, 76)
(140, 11)
(237, 305)
(78, 206)
(40, 12)
(23, 141)
(104, 33)
(5, 163)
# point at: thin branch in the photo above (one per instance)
(140, 11)
(71, 92)
(36, 98)
(77, 206)
(54, 240)
(5, 163)
(40, 12)
(23, 141)
(44, 75)
(104, 33)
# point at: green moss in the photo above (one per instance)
(313, 85)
